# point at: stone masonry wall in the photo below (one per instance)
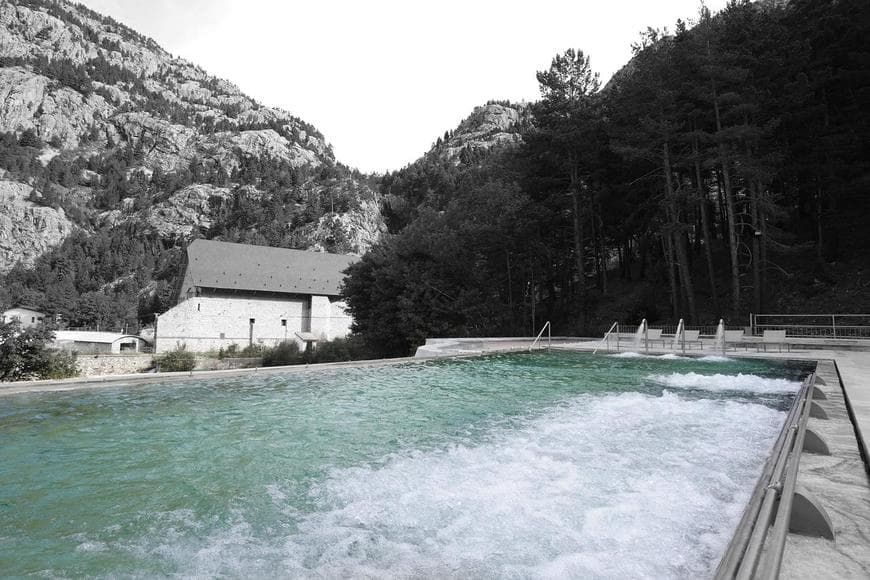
(207, 323)
(97, 365)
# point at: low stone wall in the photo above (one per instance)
(98, 365)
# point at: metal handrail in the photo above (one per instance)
(771, 501)
(833, 327)
(549, 336)
(606, 334)
(812, 315)
(773, 556)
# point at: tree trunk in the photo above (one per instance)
(705, 229)
(578, 243)
(602, 252)
(756, 248)
(679, 238)
(667, 241)
(731, 210)
(729, 203)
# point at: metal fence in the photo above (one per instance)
(705, 330)
(845, 326)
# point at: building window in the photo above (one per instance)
(32, 319)
(283, 322)
(223, 336)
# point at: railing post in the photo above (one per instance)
(751, 325)
(646, 337)
(834, 324)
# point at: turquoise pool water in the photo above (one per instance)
(551, 464)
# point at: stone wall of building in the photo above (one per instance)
(208, 323)
(97, 365)
(339, 320)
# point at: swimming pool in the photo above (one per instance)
(550, 464)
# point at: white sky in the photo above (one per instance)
(383, 79)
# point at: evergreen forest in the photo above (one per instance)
(724, 170)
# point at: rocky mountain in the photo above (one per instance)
(434, 179)
(105, 134)
(27, 229)
(496, 124)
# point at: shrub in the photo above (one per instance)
(177, 360)
(252, 350)
(24, 354)
(286, 353)
(59, 365)
(340, 349)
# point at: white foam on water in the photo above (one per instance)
(726, 383)
(628, 355)
(627, 485)
(715, 358)
(668, 356)
(92, 547)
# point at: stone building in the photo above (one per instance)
(24, 315)
(254, 295)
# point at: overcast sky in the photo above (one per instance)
(383, 79)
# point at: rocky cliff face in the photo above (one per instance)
(81, 74)
(27, 229)
(491, 125)
(121, 134)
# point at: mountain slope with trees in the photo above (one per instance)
(724, 170)
(114, 154)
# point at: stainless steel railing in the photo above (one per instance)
(756, 550)
(549, 336)
(813, 325)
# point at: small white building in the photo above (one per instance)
(88, 342)
(25, 315)
(255, 295)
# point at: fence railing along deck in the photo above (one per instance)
(812, 325)
(841, 326)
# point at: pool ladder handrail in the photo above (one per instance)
(606, 335)
(549, 336)
(771, 502)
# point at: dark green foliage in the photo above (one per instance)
(336, 350)
(460, 272)
(178, 360)
(340, 349)
(286, 353)
(25, 355)
(725, 161)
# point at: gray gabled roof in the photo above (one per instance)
(227, 266)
